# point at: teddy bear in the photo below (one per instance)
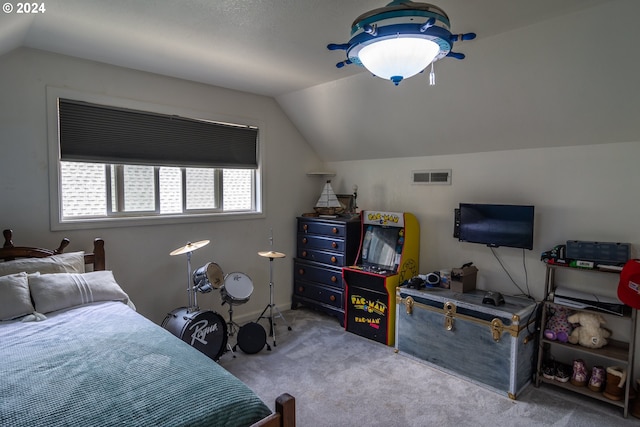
(558, 326)
(589, 333)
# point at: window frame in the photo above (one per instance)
(191, 216)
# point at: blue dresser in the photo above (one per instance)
(490, 346)
(324, 246)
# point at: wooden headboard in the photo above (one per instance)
(10, 252)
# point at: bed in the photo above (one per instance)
(75, 352)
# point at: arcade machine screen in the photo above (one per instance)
(382, 248)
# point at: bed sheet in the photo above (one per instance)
(104, 364)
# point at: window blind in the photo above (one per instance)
(105, 134)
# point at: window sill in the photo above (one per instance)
(95, 223)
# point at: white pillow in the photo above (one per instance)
(51, 292)
(15, 300)
(73, 262)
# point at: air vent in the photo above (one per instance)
(432, 177)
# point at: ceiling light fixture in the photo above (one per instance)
(400, 40)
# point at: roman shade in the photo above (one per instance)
(105, 134)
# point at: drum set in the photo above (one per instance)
(207, 330)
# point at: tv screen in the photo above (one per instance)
(497, 225)
(381, 247)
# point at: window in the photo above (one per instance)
(118, 164)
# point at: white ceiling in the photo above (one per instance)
(278, 48)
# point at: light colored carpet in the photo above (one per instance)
(342, 379)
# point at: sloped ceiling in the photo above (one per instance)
(531, 78)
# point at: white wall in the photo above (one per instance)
(139, 256)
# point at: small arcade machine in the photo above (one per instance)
(388, 256)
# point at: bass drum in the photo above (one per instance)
(204, 330)
(252, 338)
(237, 288)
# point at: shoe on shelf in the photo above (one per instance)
(596, 382)
(579, 377)
(616, 377)
(549, 370)
(563, 372)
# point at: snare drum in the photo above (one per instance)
(237, 288)
(208, 277)
(204, 330)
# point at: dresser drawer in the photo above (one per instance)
(319, 273)
(321, 294)
(322, 228)
(329, 258)
(320, 242)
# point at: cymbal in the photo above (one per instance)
(272, 254)
(189, 247)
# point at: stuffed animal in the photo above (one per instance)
(558, 326)
(589, 333)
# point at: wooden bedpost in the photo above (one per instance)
(99, 260)
(63, 244)
(7, 239)
(284, 416)
(286, 406)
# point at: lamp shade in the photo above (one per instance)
(398, 58)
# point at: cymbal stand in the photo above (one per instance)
(271, 306)
(191, 293)
(188, 249)
(232, 328)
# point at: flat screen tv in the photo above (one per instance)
(497, 225)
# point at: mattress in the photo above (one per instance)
(103, 364)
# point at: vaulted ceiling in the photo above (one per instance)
(531, 62)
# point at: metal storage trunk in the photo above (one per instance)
(491, 346)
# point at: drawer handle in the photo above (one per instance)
(334, 259)
(305, 227)
(334, 245)
(334, 230)
(332, 298)
(300, 289)
(304, 254)
(301, 271)
(304, 240)
(334, 279)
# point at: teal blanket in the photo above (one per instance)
(106, 365)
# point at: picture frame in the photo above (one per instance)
(348, 201)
